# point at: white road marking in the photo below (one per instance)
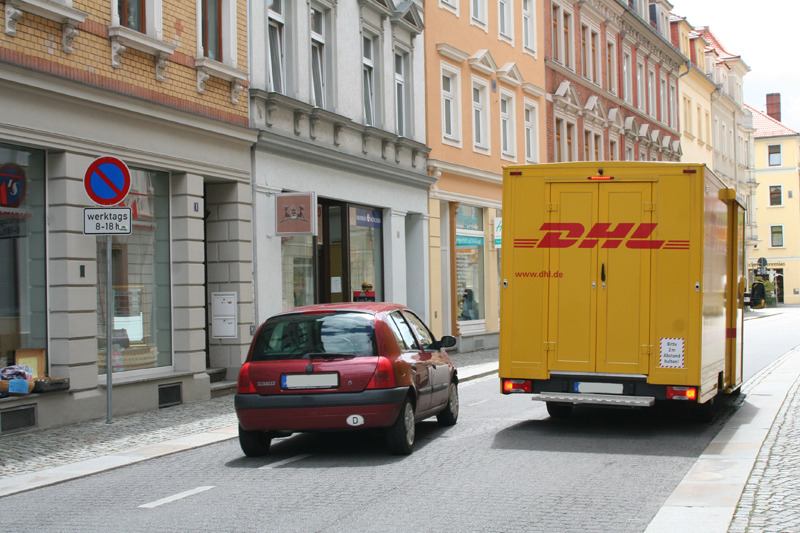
(175, 497)
(477, 403)
(285, 461)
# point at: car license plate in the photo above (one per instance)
(310, 381)
(589, 387)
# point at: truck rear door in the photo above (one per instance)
(599, 239)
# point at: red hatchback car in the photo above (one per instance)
(344, 366)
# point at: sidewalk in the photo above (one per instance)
(747, 479)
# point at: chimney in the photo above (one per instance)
(774, 106)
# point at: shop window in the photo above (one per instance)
(469, 263)
(23, 308)
(297, 266)
(141, 305)
(366, 252)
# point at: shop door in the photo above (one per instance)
(332, 253)
(599, 276)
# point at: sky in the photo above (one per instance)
(765, 34)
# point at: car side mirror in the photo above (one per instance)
(447, 341)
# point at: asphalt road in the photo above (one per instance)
(505, 466)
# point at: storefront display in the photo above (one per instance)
(469, 263)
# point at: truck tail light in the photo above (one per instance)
(682, 393)
(516, 385)
(383, 378)
(244, 385)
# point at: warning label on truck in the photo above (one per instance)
(671, 353)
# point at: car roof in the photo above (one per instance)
(367, 307)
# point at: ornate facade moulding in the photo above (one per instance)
(62, 13)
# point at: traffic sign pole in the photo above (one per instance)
(109, 328)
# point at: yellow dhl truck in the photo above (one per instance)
(622, 283)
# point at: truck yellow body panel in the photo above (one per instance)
(621, 273)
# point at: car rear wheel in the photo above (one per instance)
(400, 436)
(449, 415)
(559, 409)
(254, 443)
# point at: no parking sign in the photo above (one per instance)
(107, 181)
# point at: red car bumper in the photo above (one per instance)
(309, 412)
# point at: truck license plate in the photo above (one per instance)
(590, 387)
(310, 381)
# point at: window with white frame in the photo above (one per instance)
(589, 53)
(451, 103)
(531, 120)
(673, 105)
(480, 114)
(700, 123)
(564, 140)
(687, 115)
(319, 54)
(211, 21)
(776, 236)
(277, 46)
(561, 21)
(629, 151)
(592, 145)
(640, 81)
(776, 195)
(611, 67)
(450, 5)
(529, 25)
(663, 98)
(651, 92)
(507, 126)
(133, 13)
(479, 10)
(774, 155)
(401, 92)
(613, 148)
(369, 51)
(505, 23)
(627, 77)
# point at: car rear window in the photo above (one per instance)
(318, 334)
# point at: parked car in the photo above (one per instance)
(344, 366)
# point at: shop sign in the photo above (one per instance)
(498, 232)
(368, 218)
(13, 223)
(294, 213)
(12, 185)
(466, 240)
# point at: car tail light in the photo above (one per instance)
(682, 393)
(516, 385)
(384, 375)
(245, 386)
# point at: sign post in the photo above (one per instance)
(107, 181)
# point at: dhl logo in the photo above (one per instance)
(566, 234)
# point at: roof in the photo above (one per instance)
(766, 126)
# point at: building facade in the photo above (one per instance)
(485, 109)
(160, 86)
(612, 82)
(337, 97)
(777, 169)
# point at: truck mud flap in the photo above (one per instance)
(596, 399)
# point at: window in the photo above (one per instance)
(776, 236)
(141, 284)
(318, 56)
(640, 86)
(565, 137)
(627, 77)
(651, 93)
(23, 257)
(612, 151)
(504, 23)
(774, 155)
(479, 8)
(663, 100)
(132, 14)
(212, 34)
(277, 74)
(469, 263)
(529, 25)
(775, 195)
(592, 146)
(480, 115)
(369, 50)
(531, 133)
(611, 69)
(562, 35)
(687, 115)
(507, 127)
(451, 108)
(591, 64)
(401, 92)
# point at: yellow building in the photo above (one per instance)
(777, 150)
(485, 109)
(696, 90)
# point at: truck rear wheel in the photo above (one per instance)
(559, 409)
